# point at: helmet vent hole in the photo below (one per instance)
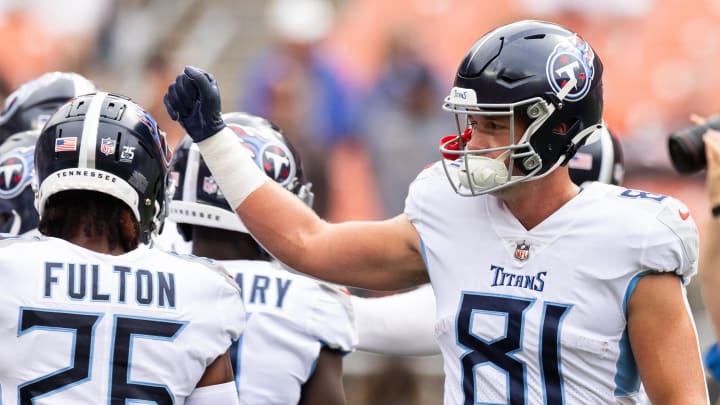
(511, 77)
(536, 36)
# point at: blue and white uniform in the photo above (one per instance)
(290, 319)
(84, 327)
(540, 316)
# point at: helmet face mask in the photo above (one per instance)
(106, 143)
(199, 201)
(536, 73)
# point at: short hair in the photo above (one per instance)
(96, 215)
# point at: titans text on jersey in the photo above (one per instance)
(504, 278)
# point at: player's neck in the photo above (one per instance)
(221, 244)
(99, 245)
(533, 202)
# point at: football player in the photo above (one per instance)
(90, 314)
(25, 112)
(403, 324)
(545, 294)
(298, 329)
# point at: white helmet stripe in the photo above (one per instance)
(191, 174)
(88, 141)
(82, 85)
(607, 157)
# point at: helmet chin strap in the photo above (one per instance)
(483, 173)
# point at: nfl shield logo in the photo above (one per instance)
(107, 146)
(522, 251)
(209, 185)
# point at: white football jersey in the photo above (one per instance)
(170, 239)
(290, 318)
(80, 327)
(539, 316)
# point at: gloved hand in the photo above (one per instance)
(194, 101)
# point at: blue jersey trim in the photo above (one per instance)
(627, 379)
(712, 361)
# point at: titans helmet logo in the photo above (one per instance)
(570, 70)
(15, 173)
(277, 163)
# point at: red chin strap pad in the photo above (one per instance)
(455, 145)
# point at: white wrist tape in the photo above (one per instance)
(232, 166)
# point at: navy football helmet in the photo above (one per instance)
(199, 201)
(599, 159)
(537, 73)
(30, 106)
(106, 143)
(17, 162)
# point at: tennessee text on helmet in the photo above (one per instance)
(538, 72)
(106, 143)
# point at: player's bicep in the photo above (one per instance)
(664, 342)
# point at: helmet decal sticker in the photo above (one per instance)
(210, 186)
(276, 163)
(581, 161)
(569, 68)
(68, 144)
(107, 146)
(128, 154)
(15, 173)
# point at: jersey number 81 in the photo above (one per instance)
(499, 352)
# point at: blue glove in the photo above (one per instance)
(194, 101)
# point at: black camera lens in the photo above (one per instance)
(687, 150)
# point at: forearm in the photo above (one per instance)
(376, 255)
(359, 254)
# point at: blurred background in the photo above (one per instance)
(357, 85)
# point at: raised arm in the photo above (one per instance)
(376, 255)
